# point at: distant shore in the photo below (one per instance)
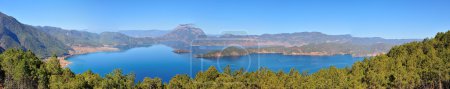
(217, 54)
(77, 50)
(63, 62)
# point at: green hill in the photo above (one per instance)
(14, 34)
(83, 38)
(72, 37)
(45, 40)
(231, 51)
(184, 33)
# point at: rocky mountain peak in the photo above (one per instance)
(3, 15)
(185, 32)
(190, 28)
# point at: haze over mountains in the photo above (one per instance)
(307, 43)
(184, 33)
(47, 40)
(83, 38)
(144, 33)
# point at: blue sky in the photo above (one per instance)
(362, 18)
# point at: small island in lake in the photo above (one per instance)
(231, 51)
(181, 51)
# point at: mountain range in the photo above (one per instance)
(184, 33)
(299, 43)
(46, 40)
(144, 33)
(84, 42)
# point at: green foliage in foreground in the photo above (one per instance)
(414, 65)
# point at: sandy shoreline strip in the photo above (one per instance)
(77, 50)
(63, 62)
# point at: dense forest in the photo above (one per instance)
(413, 65)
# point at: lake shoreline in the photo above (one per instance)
(160, 61)
(217, 55)
(79, 50)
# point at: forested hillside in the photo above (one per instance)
(14, 34)
(45, 40)
(412, 65)
(72, 37)
(83, 38)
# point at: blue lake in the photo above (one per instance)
(160, 61)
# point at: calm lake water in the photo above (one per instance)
(160, 61)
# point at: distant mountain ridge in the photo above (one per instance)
(298, 43)
(307, 43)
(83, 38)
(144, 33)
(303, 38)
(46, 40)
(185, 33)
(72, 37)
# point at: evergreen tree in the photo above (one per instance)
(149, 83)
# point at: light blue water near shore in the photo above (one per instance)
(160, 61)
